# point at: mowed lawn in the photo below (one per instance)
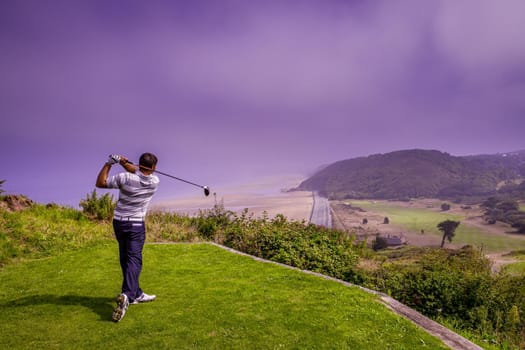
(417, 219)
(207, 298)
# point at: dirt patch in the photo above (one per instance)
(15, 203)
(499, 260)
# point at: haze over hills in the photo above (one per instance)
(421, 173)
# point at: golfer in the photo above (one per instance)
(136, 189)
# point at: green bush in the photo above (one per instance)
(379, 243)
(100, 208)
(445, 206)
(457, 287)
(212, 222)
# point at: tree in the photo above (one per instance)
(519, 226)
(379, 243)
(445, 206)
(1, 183)
(508, 205)
(365, 221)
(448, 227)
(386, 220)
(490, 203)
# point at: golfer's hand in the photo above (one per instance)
(113, 159)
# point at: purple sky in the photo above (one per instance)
(226, 91)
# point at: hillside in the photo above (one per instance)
(208, 298)
(419, 173)
(69, 241)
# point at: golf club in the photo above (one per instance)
(205, 188)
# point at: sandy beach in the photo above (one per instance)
(265, 195)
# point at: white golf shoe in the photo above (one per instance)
(144, 298)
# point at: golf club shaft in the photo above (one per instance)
(173, 177)
(177, 178)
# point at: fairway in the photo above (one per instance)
(207, 298)
(417, 219)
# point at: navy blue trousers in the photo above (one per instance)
(130, 236)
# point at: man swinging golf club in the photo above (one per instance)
(136, 189)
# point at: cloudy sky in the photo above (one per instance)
(230, 90)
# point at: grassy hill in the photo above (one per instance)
(207, 299)
(60, 267)
(418, 173)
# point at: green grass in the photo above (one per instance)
(207, 298)
(40, 231)
(417, 219)
(517, 268)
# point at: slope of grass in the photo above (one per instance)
(207, 299)
(517, 268)
(417, 219)
(41, 231)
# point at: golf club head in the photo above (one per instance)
(206, 191)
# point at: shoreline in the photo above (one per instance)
(267, 196)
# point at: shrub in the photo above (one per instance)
(293, 243)
(445, 206)
(99, 208)
(508, 205)
(379, 243)
(170, 227)
(519, 226)
(457, 287)
(212, 222)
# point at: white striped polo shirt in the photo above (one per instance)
(135, 194)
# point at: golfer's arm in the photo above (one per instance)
(102, 177)
(130, 167)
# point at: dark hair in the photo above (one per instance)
(148, 160)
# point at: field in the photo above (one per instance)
(417, 222)
(207, 298)
(518, 267)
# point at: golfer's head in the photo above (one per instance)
(147, 162)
